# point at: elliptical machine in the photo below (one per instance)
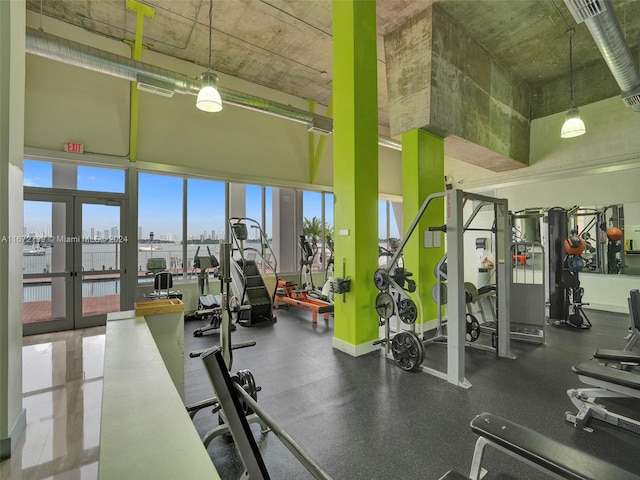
(208, 304)
(309, 251)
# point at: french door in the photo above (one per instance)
(73, 257)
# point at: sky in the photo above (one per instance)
(160, 203)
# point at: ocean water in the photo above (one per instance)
(100, 257)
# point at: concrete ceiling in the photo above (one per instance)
(286, 44)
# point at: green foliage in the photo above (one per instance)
(313, 229)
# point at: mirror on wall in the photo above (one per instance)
(612, 237)
(611, 234)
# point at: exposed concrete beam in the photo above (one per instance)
(443, 81)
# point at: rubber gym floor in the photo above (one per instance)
(364, 418)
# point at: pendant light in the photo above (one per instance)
(573, 125)
(209, 98)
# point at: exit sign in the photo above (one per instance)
(73, 147)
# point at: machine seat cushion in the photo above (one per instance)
(617, 355)
(567, 462)
(210, 301)
(608, 374)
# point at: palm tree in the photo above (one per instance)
(312, 229)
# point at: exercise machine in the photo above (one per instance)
(244, 378)
(234, 400)
(308, 254)
(605, 382)
(565, 248)
(208, 304)
(288, 294)
(406, 346)
(536, 450)
(528, 291)
(625, 359)
(162, 280)
(307, 296)
(246, 265)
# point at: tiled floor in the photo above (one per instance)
(62, 385)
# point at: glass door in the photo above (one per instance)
(47, 264)
(99, 259)
(73, 249)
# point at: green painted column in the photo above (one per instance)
(422, 175)
(355, 171)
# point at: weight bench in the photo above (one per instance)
(544, 454)
(608, 383)
(625, 359)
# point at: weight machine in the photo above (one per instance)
(162, 280)
(227, 309)
(406, 346)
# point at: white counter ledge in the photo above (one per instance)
(146, 431)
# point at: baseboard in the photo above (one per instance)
(607, 308)
(354, 350)
(8, 445)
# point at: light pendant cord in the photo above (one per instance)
(571, 32)
(211, 28)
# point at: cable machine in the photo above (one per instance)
(406, 346)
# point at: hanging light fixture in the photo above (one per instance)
(573, 125)
(209, 98)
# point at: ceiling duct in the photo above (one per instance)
(66, 51)
(601, 20)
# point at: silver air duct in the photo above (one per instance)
(72, 53)
(601, 20)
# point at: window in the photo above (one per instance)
(72, 176)
(160, 220)
(100, 179)
(205, 218)
(37, 174)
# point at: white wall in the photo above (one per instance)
(69, 103)
(12, 415)
(599, 168)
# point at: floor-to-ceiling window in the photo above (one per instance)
(160, 223)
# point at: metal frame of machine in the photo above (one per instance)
(456, 308)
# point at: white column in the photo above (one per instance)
(287, 221)
(12, 87)
(238, 200)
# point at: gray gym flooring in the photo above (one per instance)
(364, 418)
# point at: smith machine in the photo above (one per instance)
(404, 344)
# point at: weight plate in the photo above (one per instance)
(470, 292)
(407, 311)
(411, 285)
(381, 279)
(473, 328)
(245, 379)
(384, 305)
(407, 350)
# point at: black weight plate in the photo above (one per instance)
(473, 328)
(407, 350)
(407, 311)
(384, 305)
(381, 279)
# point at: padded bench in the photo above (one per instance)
(623, 358)
(606, 382)
(533, 448)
